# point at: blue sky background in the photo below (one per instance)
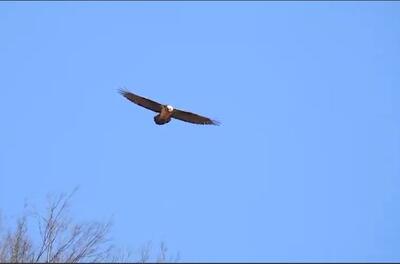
(305, 166)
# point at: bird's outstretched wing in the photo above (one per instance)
(193, 118)
(144, 102)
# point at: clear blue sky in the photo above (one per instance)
(306, 164)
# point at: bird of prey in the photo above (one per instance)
(166, 112)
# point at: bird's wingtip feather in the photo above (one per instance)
(122, 91)
(216, 122)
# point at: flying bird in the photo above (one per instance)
(166, 112)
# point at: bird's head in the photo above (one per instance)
(170, 108)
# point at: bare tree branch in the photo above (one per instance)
(62, 240)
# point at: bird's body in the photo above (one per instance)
(163, 117)
(166, 112)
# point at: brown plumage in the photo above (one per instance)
(166, 112)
